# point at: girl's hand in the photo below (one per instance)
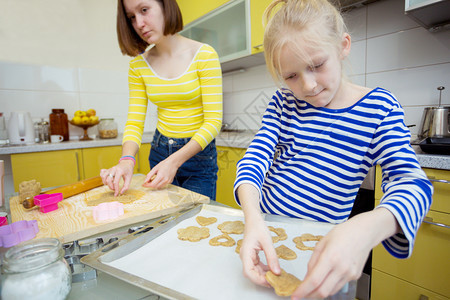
(340, 256)
(161, 175)
(111, 177)
(258, 238)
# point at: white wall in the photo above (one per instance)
(389, 50)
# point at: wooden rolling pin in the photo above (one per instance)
(69, 190)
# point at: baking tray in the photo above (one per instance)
(154, 259)
(436, 145)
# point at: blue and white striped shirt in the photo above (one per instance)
(309, 162)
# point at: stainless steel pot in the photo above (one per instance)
(435, 121)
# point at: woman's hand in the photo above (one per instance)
(161, 175)
(111, 177)
(258, 238)
(340, 256)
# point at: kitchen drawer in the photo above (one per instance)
(441, 198)
(441, 195)
(429, 264)
(387, 287)
(52, 168)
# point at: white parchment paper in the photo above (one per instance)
(203, 271)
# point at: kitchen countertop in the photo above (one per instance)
(235, 139)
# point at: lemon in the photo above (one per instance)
(76, 120)
(93, 119)
(85, 120)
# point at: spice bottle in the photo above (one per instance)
(59, 123)
(107, 129)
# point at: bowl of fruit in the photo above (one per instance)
(85, 120)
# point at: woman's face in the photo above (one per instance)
(316, 81)
(147, 18)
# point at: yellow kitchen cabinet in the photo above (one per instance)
(194, 9)
(227, 158)
(392, 288)
(52, 168)
(142, 163)
(426, 273)
(95, 159)
(257, 8)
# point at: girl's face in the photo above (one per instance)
(147, 18)
(317, 81)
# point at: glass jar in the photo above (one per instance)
(59, 124)
(107, 129)
(36, 269)
(43, 132)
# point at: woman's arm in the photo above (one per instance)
(210, 78)
(124, 169)
(166, 170)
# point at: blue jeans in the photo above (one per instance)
(198, 174)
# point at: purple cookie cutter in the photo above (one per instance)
(18, 232)
(48, 202)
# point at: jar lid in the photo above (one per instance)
(58, 110)
(32, 255)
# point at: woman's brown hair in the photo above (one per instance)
(130, 42)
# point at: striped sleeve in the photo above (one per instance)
(138, 102)
(252, 168)
(407, 191)
(210, 77)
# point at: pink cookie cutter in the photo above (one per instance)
(3, 221)
(48, 202)
(17, 232)
(107, 210)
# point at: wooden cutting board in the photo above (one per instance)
(73, 220)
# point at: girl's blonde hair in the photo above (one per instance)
(300, 25)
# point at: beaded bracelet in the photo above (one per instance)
(130, 157)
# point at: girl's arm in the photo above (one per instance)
(340, 256)
(256, 238)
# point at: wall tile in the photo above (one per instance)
(38, 103)
(356, 62)
(15, 76)
(356, 23)
(252, 78)
(387, 16)
(415, 86)
(101, 81)
(413, 116)
(405, 49)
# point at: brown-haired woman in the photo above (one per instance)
(182, 77)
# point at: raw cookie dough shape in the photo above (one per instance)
(280, 232)
(284, 284)
(216, 241)
(193, 233)
(204, 221)
(307, 237)
(236, 227)
(238, 246)
(285, 253)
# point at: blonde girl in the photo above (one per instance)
(319, 137)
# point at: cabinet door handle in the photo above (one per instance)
(429, 220)
(258, 46)
(423, 297)
(78, 166)
(439, 180)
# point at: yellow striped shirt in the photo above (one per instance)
(188, 106)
